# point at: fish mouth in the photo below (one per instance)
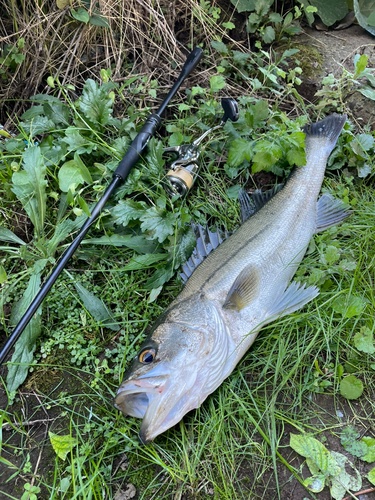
(135, 396)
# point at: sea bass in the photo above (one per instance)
(235, 290)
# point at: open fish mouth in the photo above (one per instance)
(135, 396)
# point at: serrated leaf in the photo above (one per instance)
(240, 150)
(9, 236)
(348, 306)
(29, 186)
(331, 255)
(371, 476)
(159, 222)
(127, 210)
(296, 157)
(364, 340)
(257, 114)
(95, 103)
(96, 308)
(144, 261)
(25, 345)
(217, 82)
(263, 160)
(80, 14)
(154, 159)
(370, 452)
(351, 387)
(310, 447)
(240, 57)
(62, 445)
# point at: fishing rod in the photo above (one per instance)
(119, 176)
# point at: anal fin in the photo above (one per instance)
(292, 299)
(330, 212)
(244, 289)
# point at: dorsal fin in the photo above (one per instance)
(207, 241)
(251, 204)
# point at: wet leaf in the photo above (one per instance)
(351, 387)
(364, 340)
(62, 445)
(310, 447)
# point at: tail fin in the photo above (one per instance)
(329, 129)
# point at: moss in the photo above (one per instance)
(310, 60)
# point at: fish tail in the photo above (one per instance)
(327, 130)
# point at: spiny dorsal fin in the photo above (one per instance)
(330, 212)
(244, 289)
(251, 204)
(207, 241)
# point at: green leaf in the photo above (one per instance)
(219, 46)
(70, 176)
(9, 236)
(159, 222)
(77, 142)
(364, 340)
(371, 476)
(351, 387)
(62, 231)
(370, 452)
(3, 275)
(57, 113)
(348, 306)
(160, 277)
(268, 35)
(81, 15)
(244, 5)
(83, 169)
(138, 243)
(95, 103)
(96, 308)
(154, 159)
(62, 445)
(239, 150)
(349, 441)
(315, 483)
(310, 447)
(257, 114)
(25, 345)
(331, 255)
(344, 481)
(330, 12)
(29, 186)
(368, 91)
(362, 10)
(182, 247)
(217, 82)
(97, 20)
(83, 205)
(233, 192)
(144, 261)
(361, 143)
(127, 210)
(296, 157)
(240, 58)
(38, 126)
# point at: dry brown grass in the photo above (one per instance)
(144, 37)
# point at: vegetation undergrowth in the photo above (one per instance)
(310, 374)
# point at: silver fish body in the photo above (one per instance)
(238, 288)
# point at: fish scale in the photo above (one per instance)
(234, 290)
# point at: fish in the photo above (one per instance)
(235, 284)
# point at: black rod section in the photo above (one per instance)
(130, 158)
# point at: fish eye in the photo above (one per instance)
(147, 356)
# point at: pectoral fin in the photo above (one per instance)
(244, 289)
(292, 299)
(330, 212)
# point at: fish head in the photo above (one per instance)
(173, 372)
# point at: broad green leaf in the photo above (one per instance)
(371, 17)
(127, 210)
(268, 35)
(368, 91)
(29, 185)
(25, 345)
(81, 15)
(331, 255)
(159, 222)
(37, 126)
(370, 452)
(154, 159)
(58, 113)
(83, 205)
(233, 192)
(62, 445)
(257, 114)
(219, 46)
(70, 176)
(9, 236)
(137, 243)
(217, 82)
(371, 476)
(182, 247)
(348, 306)
(263, 160)
(240, 57)
(315, 483)
(244, 5)
(344, 481)
(362, 10)
(364, 171)
(160, 277)
(97, 20)
(96, 308)
(362, 143)
(310, 447)
(239, 150)
(144, 261)
(351, 387)
(364, 340)
(83, 169)
(95, 103)
(330, 12)
(154, 294)
(349, 441)
(76, 142)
